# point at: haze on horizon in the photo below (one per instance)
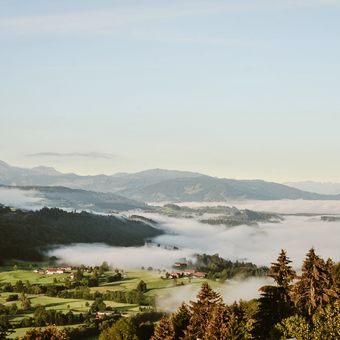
(237, 89)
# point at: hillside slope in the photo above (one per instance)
(61, 197)
(205, 189)
(159, 185)
(24, 234)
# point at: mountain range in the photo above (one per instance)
(158, 185)
(324, 188)
(33, 197)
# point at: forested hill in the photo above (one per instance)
(24, 234)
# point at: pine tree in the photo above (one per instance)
(315, 288)
(164, 330)
(333, 282)
(180, 320)
(282, 272)
(217, 328)
(201, 312)
(275, 302)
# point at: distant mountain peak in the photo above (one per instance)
(46, 170)
(159, 185)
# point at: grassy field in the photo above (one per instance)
(28, 275)
(156, 286)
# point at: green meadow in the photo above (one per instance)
(156, 287)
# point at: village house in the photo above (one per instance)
(192, 273)
(51, 271)
(199, 275)
(189, 272)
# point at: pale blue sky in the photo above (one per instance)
(242, 89)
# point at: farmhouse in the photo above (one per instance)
(51, 271)
(189, 272)
(199, 275)
(186, 273)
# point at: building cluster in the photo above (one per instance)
(190, 273)
(53, 270)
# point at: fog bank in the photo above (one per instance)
(233, 290)
(21, 199)
(258, 244)
(120, 257)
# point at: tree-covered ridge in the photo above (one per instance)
(25, 233)
(304, 307)
(219, 215)
(218, 268)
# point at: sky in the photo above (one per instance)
(238, 89)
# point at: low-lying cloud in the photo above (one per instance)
(22, 199)
(259, 244)
(231, 291)
(120, 257)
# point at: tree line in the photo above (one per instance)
(304, 307)
(25, 233)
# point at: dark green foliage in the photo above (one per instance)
(180, 320)
(218, 268)
(141, 287)
(12, 297)
(113, 278)
(43, 317)
(24, 234)
(275, 303)
(123, 329)
(25, 302)
(49, 333)
(98, 305)
(129, 296)
(324, 324)
(273, 316)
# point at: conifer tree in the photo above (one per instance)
(282, 272)
(333, 282)
(217, 328)
(201, 312)
(315, 288)
(275, 302)
(164, 330)
(180, 320)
